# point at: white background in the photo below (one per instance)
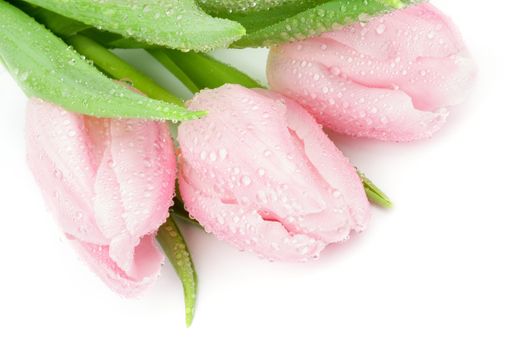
(445, 269)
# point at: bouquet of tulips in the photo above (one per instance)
(120, 160)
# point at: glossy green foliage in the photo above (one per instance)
(276, 21)
(179, 24)
(255, 15)
(60, 25)
(175, 248)
(45, 67)
(374, 193)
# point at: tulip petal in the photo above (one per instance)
(107, 204)
(256, 154)
(418, 48)
(144, 163)
(60, 160)
(330, 163)
(109, 184)
(253, 129)
(246, 229)
(355, 109)
(146, 265)
(393, 78)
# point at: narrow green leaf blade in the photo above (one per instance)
(58, 24)
(119, 69)
(179, 24)
(374, 194)
(173, 244)
(257, 15)
(318, 19)
(45, 67)
(178, 210)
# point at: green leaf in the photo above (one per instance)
(374, 194)
(119, 69)
(245, 6)
(177, 24)
(257, 15)
(58, 24)
(46, 67)
(173, 244)
(290, 21)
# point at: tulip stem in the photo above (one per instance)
(200, 71)
(115, 67)
(162, 57)
(173, 244)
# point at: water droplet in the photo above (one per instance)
(222, 153)
(58, 174)
(246, 181)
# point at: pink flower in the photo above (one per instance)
(109, 184)
(393, 78)
(259, 172)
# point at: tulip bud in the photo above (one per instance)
(392, 78)
(109, 184)
(260, 173)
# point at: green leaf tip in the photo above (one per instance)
(374, 194)
(178, 211)
(46, 67)
(173, 244)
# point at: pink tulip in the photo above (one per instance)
(393, 78)
(259, 172)
(109, 184)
